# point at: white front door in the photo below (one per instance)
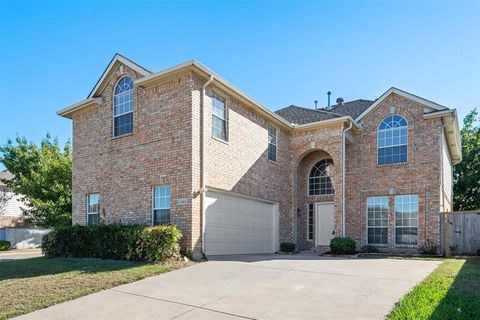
(325, 223)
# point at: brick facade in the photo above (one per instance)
(165, 149)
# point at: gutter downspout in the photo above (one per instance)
(442, 141)
(343, 178)
(203, 189)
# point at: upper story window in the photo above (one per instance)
(319, 181)
(219, 118)
(392, 140)
(272, 143)
(93, 208)
(123, 107)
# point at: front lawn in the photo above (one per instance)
(452, 291)
(31, 284)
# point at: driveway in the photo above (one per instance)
(256, 287)
(20, 254)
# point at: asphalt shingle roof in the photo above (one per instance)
(300, 115)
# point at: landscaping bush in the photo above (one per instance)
(4, 245)
(369, 249)
(340, 245)
(429, 248)
(287, 247)
(113, 241)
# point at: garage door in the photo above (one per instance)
(236, 225)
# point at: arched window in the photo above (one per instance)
(123, 107)
(319, 181)
(392, 140)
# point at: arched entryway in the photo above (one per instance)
(317, 182)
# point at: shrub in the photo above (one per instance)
(340, 245)
(4, 245)
(287, 247)
(113, 241)
(429, 247)
(369, 249)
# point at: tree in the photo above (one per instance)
(466, 174)
(43, 175)
(4, 198)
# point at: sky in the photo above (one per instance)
(280, 53)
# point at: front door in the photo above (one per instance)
(325, 223)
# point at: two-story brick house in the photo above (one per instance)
(184, 146)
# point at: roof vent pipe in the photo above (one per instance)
(340, 101)
(329, 94)
(316, 104)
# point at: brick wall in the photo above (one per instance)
(420, 175)
(164, 148)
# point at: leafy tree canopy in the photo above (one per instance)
(466, 174)
(43, 175)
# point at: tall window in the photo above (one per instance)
(123, 107)
(319, 181)
(310, 222)
(377, 220)
(161, 205)
(392, 140)
(93, 208)
(406, 220)
(219, 118)
(272, 143)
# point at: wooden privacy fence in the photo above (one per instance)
(460, 232)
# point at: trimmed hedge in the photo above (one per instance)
(113, 241)
(340, 245)
(5, 245)
(287, 247)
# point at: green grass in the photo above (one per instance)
(32, 284)
(452, 291)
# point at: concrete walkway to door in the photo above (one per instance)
(256, 287)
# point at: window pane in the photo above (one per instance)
(406, 219)
(319, 178)
(377, 220)
(161, 216)
(310, 222)
(219, 128)
(123, 124)
(392, 140)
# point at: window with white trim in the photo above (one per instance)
(377, 220)
(406, 220)
(272, 143)
(161, 205)
(123, 107)
(93, 208)
(392, 140)
(319, 181)
(219, 117)
(310, 222)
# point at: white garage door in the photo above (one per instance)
(235, 225)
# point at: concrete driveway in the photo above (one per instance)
(256, 287)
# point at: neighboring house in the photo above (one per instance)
(183, 146)
(11, 205)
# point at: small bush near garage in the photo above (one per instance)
(342, 245)
(429, 248)
(113, 241)
(5, 245)
(369, 249)
(287, 247)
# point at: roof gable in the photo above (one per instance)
(117, 60)
(404, 94)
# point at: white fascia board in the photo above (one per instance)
(121, 59)
(90, 102)
(404, 94)
(325, 122)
